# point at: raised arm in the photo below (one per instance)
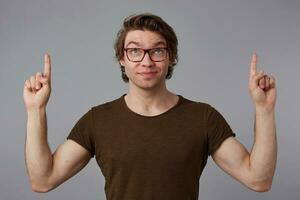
(46, 170)
(255, 169)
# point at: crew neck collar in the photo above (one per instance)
(124, 105)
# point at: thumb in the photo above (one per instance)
(259, 76)
(44, 80)
(27, 86)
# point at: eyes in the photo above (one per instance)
(158, 51)
(135, 51)
(139, 51)
(138, 54)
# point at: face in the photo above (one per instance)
(145, 74)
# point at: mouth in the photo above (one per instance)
(147, 74)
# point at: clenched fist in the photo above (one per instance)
(262, 87)
(37, 89)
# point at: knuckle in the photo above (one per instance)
(27, 84)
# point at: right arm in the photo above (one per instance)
(46, 171)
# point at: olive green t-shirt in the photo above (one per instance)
(151, 157)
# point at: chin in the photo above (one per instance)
(147, 84)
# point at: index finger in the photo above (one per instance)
(253, 64)
(47, 66)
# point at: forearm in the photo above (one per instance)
(264, 152)
(38, 155)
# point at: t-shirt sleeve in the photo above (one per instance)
(82, 132)
(217, 129)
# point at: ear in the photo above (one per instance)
(122, 62)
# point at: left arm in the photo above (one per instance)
(255, 169)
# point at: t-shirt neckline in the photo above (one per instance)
(124, 105)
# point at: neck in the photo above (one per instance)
(151, 101)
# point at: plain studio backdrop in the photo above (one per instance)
(216, 40)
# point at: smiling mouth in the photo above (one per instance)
(147, 74)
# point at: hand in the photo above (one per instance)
(261, 87)
(38, 88)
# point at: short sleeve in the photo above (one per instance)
(82, 132)
(217, 129)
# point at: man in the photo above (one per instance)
(150, 143)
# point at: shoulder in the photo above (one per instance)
(106, 105)
(207, 110)
(109, 108)
(196, 104)
(196, 109)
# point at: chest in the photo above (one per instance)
(147, 145)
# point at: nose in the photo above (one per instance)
(146, 62)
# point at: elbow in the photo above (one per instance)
(40, 187)
(261, 186)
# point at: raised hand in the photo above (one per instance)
(261, 87)
(38, 88)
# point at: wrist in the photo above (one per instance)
(264, 111)
(36, 110)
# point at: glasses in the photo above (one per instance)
(138, 54)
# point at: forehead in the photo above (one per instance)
(144, 38)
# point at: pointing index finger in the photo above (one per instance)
(47, 66)
(253, 64)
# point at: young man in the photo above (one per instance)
(150, 143)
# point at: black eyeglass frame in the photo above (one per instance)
(146, 51)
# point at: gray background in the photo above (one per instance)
(216, 39)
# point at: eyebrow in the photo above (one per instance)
(138, 44)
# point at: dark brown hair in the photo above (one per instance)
(147, 21)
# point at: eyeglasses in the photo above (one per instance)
(138, 54)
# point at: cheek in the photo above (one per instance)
(126, 71)
(166, 67)
(129, 70)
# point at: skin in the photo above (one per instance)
(255, 169)
(148, 95)
(46, 170)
